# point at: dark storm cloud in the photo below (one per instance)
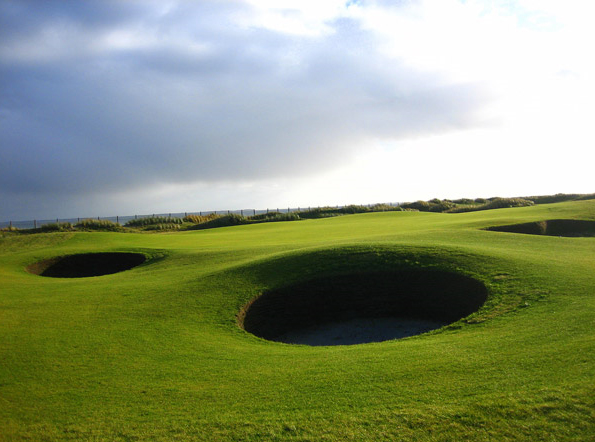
(105, 95)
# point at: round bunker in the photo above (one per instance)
(362, 307)
(86, 264)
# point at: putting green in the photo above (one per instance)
(157, 352)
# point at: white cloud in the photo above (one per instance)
(140, 100)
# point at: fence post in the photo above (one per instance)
(200, 213)
(254, 212)
(117, 219)
(242, 212)
(10, 225)
(57, 221)
(267, 210)
(35, 224)
(135, 216)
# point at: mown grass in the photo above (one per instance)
(154, 353)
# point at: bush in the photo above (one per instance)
(199, 219)
(275, 216)
(588, 196)
(495, 203)
(465, 201)
(422, 206)
(167, 226)
(152, 220)
(264, 216)
(222, 221)
(381, 207)
(286, 217)
(500, 203)
(95, 224)
(559, 197)
(55, 227)
(442, 206)
(320, 212)
(352, 208)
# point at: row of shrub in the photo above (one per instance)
(163, 226)
(465, 205)
(213, 220)
(199, 219)
(56, 227)
(153, 220)
(96, 224)
(434, 205)
(84, 224)
(233, 219)
(494, 203)
(560, 197)
(325, 212)
(470, 205)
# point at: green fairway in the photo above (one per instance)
(155, 353)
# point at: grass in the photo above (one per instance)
(155, 353)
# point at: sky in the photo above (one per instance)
(138, 107)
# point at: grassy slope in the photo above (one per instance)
(154, 353)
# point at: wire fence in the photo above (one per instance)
(122, 220)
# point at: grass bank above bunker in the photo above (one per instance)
(351, 302)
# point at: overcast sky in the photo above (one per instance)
(124, 107)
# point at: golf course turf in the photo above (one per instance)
(159, 352)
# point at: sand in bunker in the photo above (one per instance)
(359, 331)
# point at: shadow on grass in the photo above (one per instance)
(86, 264)
(553, 227)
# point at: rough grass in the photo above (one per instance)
(155, 353)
